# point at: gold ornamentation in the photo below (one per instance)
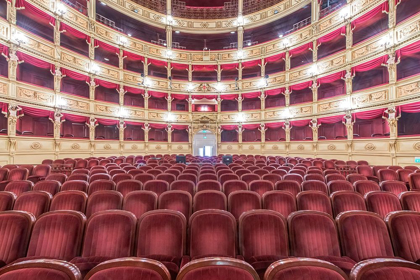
(75, 146)
(331, 147)
(301, 147)
(36, 146)
(134, 147)
(179, 147)
(416, 146)
(275, 147)
(158, 147)
(107, 147)
(370, 147)
(251, 147)
(229, 147)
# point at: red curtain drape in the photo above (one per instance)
(332, 119)
(106, 84)
(275, 58)
(157, 62)
(301, 49)
(134, 123)
(370, 64)
(179, 66)
(251, 126)
(410, 49)
(331, 78)
(158, 94)
(4, 107)
(229, 127)
(410, 108)
(22, 4)
(76, 33)
(251, 94)
(158, 125)
(301, 86)
(133, 90)
(300, 123)
(204, 68)
(179, 127)
(107, 121)
(35, 61)
(198, 97)
(107, 47)
(331, 36)
(4, 50)
(384, 7)
(275, 91)
(75, 75)
(274, 125)
(133, 56)
(251, 63)
(229, 96)
(75, 118)
(368, 115)
(39, 113)
(230, 66)
(179, 96)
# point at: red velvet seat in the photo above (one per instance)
(223, 171)
(7, 200)
(331, 171)
(161, 236)
(261, 172)
(15, 230)
(101, 185)
(273, 178)
(145, 168)
(333, 177)
(261, 186)
(403, 175)
(248, 178)
(212, 233)
(69, 200)
(175, 172)
(34, 202)
(395, 187)
(279, 172)
(19, 187)
(343, 201)
(16, 174)
(42, 269)
(103, 200)
(208, 185)
(282, 202)
(129, 268)
(339, 185)
(126, 186)
(314, 177)
(166, 177)
(140, 202)
(382, 203)
(178, 201)
(217, 268)
(183, 185)
(355, 177)
(114, 172)
(51, 187)
(385, 269)
(100, 176)
(144, 178)
(47, 161)
(75, 186)
(242, 201)
(293, 177)
(263, 238)
(304, 269)
(314, 234)
(243, 171)
(410, 201)
(414, 181)
(363, 235)
(209, 200)
(39, 172)
(81, 171)
(367, 171)
(387, 175)
(228, 177)
(298, 171)
(134, 172)
(79, 177)
(288, 185)
(314, 185)
(234, 185)
(108, 235)
(57, 177)
(203, 177)
(156, 186)
(10, 166)
(314, 200)
(190, 177)
(82, 163)
(120, 177)
(363, 187)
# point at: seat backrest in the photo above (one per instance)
(414, 181)
(166, 177)
(69, 200)
(208, 185)
(144, 178)
(293, 177)
(234, 185)
(75, 186)
(140, 202)
(209, 200)
(212, 233)
(403, 175)
(363, 235)
(120, 177)
(273, 178)
(302, 269)
(15, 229)
(126, 186)
(314, 185)
(178, 201)
(343, 201)
(101, 185)
(288, 185)
(78, 176)
(157, 186)
(410, 201)
(227, 177)
(261, 186)
(365, 170)
(242, 201)
(110, 234)
(7, 200)
(306, 229)
(51, 187)
(263, 233)
(100, 176)
(339, 185)
(34, 202)
(387, 174)
(57, 235)
(103, 200)
(382, 203)
(18, 187)
(41, 170)
(248, 178)
(314, 200)
(404, 228)
(385, 269)
(18, 174)
(282, 202)
(355, 177)
(162, 233)
(183, 185)
(332, 177)
(207, 177)
(363, 187)
(314, 177)
(57, 177)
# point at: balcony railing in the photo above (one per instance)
(76, 5)
(108, 22)
(229, 10)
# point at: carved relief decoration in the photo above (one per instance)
(36, 146)
(370, 147)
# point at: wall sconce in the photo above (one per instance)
(61, 9)
(169, 54)
(345, 13)
(240, 21)
(169, 117)
(386, 41)
(190, 87)
(123, 113)
(19, 38)
(169, 20)
(240, 54)
(123, 41)
(147, 82)
(286, 114)
(285, 43)
(313, 71)
(240, 117)
(95, 69)
(61, 102)
(219, 87)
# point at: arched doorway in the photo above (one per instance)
(205, 143)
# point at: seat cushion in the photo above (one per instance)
(85, 264)
(345, 263)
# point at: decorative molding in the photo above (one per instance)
(370, 147)
(36, 146)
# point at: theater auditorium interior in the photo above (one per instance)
(207, 140)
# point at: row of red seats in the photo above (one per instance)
(261, 238)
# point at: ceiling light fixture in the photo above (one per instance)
(94, 68)
(61, 9)
(345, 13)
(19, 38)
(240, 54)
(177, 31)
(103, 3)
(240, 21)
